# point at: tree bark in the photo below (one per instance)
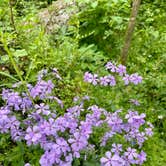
(130, 30)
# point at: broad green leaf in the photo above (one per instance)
(20, 53)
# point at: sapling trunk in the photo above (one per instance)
(129, 31)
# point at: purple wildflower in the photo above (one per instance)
(5, 94)
(135, 78)
(33, 135)
(112, 81)
(75, 111)
(126, 79)
(50, 86)
(27, 164)
(60, 124)
(35, 91)
(141, 158)
(150, 125)
(68, 161)
(78, 143)
(95, 79)
(14, 100)
(61, 146)
(110, 66)
(116, 148)
(88, 77)
(131, 154)
(49, 158)
(91, 78)
(14, 126)
(47, 127)
(26, 104)
(148, 131)
(121, 70)
(140, 137)
(85, 128)
(42, 89)
(110, 160)
(4, 121)
(114, 122)
(4, 111)
(42, 108)
(104, 81)
(134, 119)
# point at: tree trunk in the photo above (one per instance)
(130, 30)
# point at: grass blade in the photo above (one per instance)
(8, 75)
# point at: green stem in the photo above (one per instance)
(13, 62)
(12, 15)
(16, 68)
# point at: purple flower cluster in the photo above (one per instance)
(109, 80)
(131, 156)
(130, 128)
(104, 81)
(9, 123)
(42, 89)
(91, 78)
(65, 137)
(133, 78)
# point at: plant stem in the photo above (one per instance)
(12, 15)
(13, 61)
(16, 68)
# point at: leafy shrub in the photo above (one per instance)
(103, 23)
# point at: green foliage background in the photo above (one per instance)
(94, 35)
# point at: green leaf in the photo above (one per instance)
(20, 53)
(91, 163)
(94, 4)
(4, 59)
(117, 19)
(8, 75)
